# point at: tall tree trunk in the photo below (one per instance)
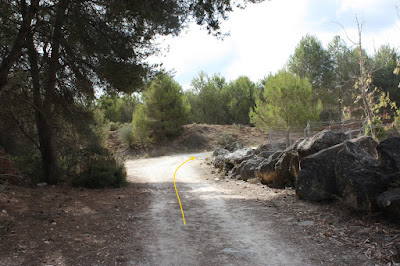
(43, 117)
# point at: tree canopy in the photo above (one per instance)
(287, 100)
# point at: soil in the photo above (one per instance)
(229, 222)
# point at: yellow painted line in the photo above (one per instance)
(180, 204)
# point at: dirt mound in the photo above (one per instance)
(195, 138)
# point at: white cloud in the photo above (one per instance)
(263, 36)
(347, 5)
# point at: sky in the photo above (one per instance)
(263, 36)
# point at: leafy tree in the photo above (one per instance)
(240, 96)
(344, 70)
(208, 104)
(164, 112)
(117, 108)
(286, 101)
(310, 60)
(71, 47)
(384, 79)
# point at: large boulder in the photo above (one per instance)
(219, 163)
(234, 146)
(238, 156)
(317, 179)
(357, 177)
(368, 144)
(389, 154)
(266, 171)
(389, 202)
(220, 151)
(246, 169)
(320, 141)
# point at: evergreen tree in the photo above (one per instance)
(164, 112)
(286, 101)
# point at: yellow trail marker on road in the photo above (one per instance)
(180, 204)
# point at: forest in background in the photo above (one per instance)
(57, 56)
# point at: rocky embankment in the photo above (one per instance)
(360, 173)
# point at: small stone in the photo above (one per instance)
(43, 184)
(4, 211)
(54, 223)
(217, 179)
(47, 242)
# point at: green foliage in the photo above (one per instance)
(383, 78)
(310, 60)
(380, 131)
(240, 98)
(207, 100)
(226, 138)
(30, 165)
(126, 134)
(165, 110)
(287, 100)
(95, 167)
(213, 101)
(101, 173)
(118, 109)
(141, 125)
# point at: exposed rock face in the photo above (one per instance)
(389, 202)
(357, 177)
(317, 179)
(389, 154)
(246, 169)
(368, 144)
(234, 146)
(320, 141)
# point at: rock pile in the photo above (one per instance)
(360, 173)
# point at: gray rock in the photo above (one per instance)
(357, 177)
(218, 161)
(317, 179)
(261, 149)
(389, 202)
(368, 144)
(264, 154)
(234, 146)
(389, 154)
(219, 151)
(320, 141)
(238, 156)
(246, 169)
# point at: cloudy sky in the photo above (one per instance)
(263, 36)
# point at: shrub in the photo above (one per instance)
(113, 126)
(102, 173)
(140, 125)
(226, 138)
(126, 134)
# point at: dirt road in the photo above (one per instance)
(223, 226)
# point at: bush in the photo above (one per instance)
(140, 125)
(30, 166)
(102, 173)
(113, 126)
(126, 134)
(226, 138)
